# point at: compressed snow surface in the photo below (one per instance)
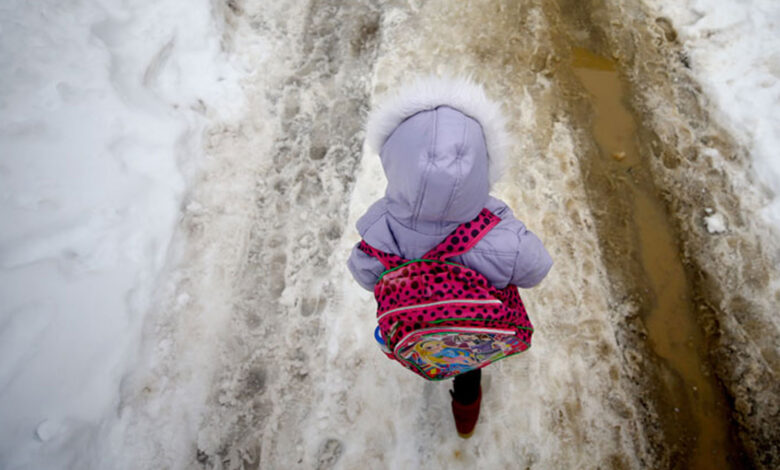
(735, 54)
(102, 107)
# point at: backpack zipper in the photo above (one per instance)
(441, 302)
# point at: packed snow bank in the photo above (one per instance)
(102, 108)
(734, 53)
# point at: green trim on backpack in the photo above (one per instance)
(421, 260)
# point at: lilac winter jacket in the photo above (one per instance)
(438, 176)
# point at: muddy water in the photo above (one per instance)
(696, 413)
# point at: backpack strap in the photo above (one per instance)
(464, 237)
(388, 260)
(461, 240)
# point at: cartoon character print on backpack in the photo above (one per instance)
(402, 286)
(422, 301)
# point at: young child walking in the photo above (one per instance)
(438, 251)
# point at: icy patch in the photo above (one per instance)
(102, 108)
(714, 222)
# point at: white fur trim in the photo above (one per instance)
(429, 93)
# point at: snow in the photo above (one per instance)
(715, 223)
(102, 108)
(734, 53)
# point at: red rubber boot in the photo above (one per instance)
(466, 415)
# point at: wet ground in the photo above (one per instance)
(655, 343)
(691, 403)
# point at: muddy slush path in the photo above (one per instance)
(712, 347)
(655, 343)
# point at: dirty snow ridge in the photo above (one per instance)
(735, 55)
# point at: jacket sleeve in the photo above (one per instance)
(364, 268)
(532, 261)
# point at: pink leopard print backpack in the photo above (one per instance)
(440, 319)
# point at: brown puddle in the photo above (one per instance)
(695, 413)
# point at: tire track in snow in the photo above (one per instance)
(698, 170)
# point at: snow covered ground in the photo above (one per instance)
(735, 55)
(103, 106)
(179, 185)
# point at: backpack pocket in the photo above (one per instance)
(441, 353)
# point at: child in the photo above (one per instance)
(442, 144)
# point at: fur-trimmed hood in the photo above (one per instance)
(432, 92)
(442, 143)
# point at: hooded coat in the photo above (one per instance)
(442, 144)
